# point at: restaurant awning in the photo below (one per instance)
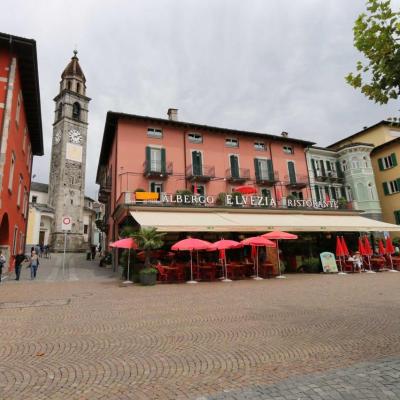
(217, 221)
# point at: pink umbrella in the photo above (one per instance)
(368, 253)
(246, 189)
(257, 241)
(191, 244)
(279, 235)
(390, 250)
(223, 245)
(127, 243)
(339, 252)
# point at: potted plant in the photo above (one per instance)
(342, 203)
(221, 199)
(183, 193)
(148, 239)
(292, 198)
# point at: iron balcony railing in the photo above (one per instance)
(296, 181)
(200, 172)
(156, 168)
(237, 175)
(267, 178)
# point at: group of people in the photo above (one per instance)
(22, 260)
(42, 250)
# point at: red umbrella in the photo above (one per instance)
(127, 243)
(246, 189)
(389, 246)
(256, 242)
(361, 248)
(382, 250)
(390, 250)
(344, 247)
(367, 247)
(277, 235)
(223, 245)
(339, 248)
(191, 244)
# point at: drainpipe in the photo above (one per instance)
(184, 157)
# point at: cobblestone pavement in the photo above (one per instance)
(88, 338)
(374, 381)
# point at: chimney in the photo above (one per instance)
(284, 134)
(173, 114)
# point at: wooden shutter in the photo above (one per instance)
(270, 167)
(328, 165)
(257, 169)
(397, 217)
(152, 187)
(163, 162)
(380, 164)
(339, 169)
(197, 164)
(385, 188)
(322, 168)
(333, 192)
(398, 184)
(394, 159)
(292, 172)
(148, 159)
(234, 166)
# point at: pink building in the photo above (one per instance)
(166, 155)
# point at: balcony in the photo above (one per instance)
(157, 169)
(296, 181)
(320, 177)
(202, 173)
(335, 177)
(241, 175)
(267, 179)
(105, 190)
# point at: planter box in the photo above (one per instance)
(148, 279)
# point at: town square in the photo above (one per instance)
(200, 200)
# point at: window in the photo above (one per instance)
(234, 163)
(72, 202)
(155, 133)
(263, 169)
(199, 189)
(76, 111)
(297, 195)
(397, 217)
(288, 150)
(11, 174)
(365, 162)
(24, 140)
(391, 187)
(355, 163)
(260, 146)
(344, 165)
(34, 199)
(231, 142)
(156, 187)
(59, 110)
(371, 191)
(26, 198)
(19, 191)
(78, 87)
(155, 159)
(21, 242)
(15, 239)
(195, 138)
(387, 162)
(69, 85)
(18, 112)
(85, 229)
(266, 193)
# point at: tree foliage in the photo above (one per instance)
(148, 239)
(376, 36)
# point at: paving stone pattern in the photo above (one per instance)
(87, 338)
(375, 381)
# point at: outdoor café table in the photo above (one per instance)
(396, 262)
(171, 271)
(207, 272)
(236, 271)
(266, 270)
(377, 262)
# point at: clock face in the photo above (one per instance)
(75, 136)
(57, 137)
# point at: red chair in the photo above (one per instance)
(162, 275)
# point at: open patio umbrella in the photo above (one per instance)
(278, 235)
(127, 243)
(191, 244)
(340, 253)
(368, 253)
(344, 246)
(223, 245)
(257, 241)
(381, 248)
(246, 189)
(390, 250)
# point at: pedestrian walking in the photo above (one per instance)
(2, 263)
(93, 251)
(19, 259)
(99, 249)
(34, 264)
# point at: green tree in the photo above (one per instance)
(148, 239)
(377, 37)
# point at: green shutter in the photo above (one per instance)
(314, 168)
(163, 162)
(257, 169)
(333, 193)
(394, 159)
(328, 165)
(292, 172)
(148, 159)
(385, 188)
(380, 164)
(270, 167)
(317, 195)
(234, 166)
(323, 173)
(343, 192)
(398, 184)
(397, 217)
(339, 169)
(152, 187)
(197, 167)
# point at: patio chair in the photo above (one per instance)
(162, 275)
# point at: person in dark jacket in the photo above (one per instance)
(19, 259)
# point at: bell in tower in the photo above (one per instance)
(68, 157)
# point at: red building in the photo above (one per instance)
(20, 137)
(164, 156)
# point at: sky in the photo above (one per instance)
(259, 65)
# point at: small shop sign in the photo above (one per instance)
(328, 262)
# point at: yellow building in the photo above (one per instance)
(385, 137)
(387, 177)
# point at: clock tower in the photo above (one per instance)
(68, 157)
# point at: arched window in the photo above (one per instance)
(365, 161)
(59, 110)
(371, 191)
(344, 165)
(76, 111)
(355, 162)
(69, 85)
